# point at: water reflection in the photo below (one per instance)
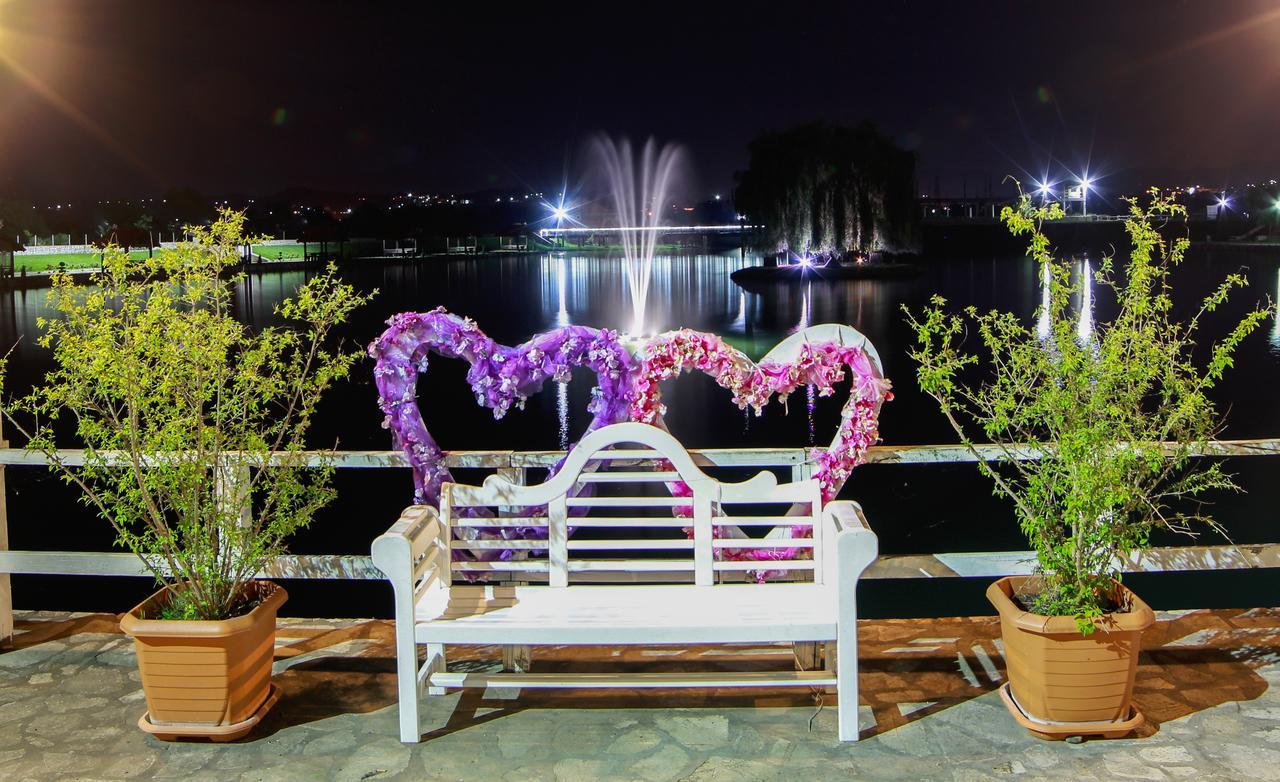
(562, 319)
(740, 323)
(811, 398)
(1275, 318)
(562, 282)
(1084, 328)
(806, 302)
(684, 291)
(1042, 325)
(515, 297)
(1084, 322)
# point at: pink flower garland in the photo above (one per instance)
(821, 365)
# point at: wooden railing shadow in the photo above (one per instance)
(1202, 660)
(1194, 662)
(346, 670)
(35, 632)
(910, 669)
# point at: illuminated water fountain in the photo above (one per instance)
(639, 189)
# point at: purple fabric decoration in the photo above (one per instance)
(499, 376)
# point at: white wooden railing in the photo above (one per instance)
(516, 464)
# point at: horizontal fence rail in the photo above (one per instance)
(515, 463)
(722, 457)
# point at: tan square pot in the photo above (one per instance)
(1059, 675)
(199, 673)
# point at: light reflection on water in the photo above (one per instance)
(515, 297)
(1084, 323)
(1275, 317)
(1084, 328)
(562, 388)
(591, 290)
(811, 399)
(1042, 322)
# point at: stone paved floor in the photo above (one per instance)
(69, 701)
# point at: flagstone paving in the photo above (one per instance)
(70, 700)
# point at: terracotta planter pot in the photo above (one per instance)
(1062, 682)
(201, 677)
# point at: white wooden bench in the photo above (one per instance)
(541, 598)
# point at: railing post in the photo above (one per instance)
(6, 585)
(231, 482)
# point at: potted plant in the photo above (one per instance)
(193, 428)
(1093, 437)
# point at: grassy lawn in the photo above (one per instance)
(46, 263)
(276, 251)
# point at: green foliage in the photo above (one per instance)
(1115, 418)
(831, 189)
(180, 407)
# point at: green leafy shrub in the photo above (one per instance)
(1115, 418)
(193, 424)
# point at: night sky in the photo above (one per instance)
(107, 98)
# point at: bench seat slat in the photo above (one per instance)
(643, 476)
(578, 565)
(737, 543)
(635, 521)
(584, 614)
(605, 523)
(766, 564)
(765, 521)
(525, 545)
(503, 521)
(630, 545)
(627, 502)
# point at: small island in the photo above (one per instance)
(836, 203)
(867, 269)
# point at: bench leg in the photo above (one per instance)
(516, 659)
(846, 657)
(435, 664)
(408, 684)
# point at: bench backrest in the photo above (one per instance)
(610, 509)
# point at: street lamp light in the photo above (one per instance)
(559, 213)
(1085, 184)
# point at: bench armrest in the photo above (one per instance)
(855, 544)
(414, 549)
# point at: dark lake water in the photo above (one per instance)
(914, 508)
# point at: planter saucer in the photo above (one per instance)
(173, 731)
(1057, 731)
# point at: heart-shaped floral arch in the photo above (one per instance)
(819, 356)
(502, 376)
(803, 360)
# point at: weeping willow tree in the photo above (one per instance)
(830, 189)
